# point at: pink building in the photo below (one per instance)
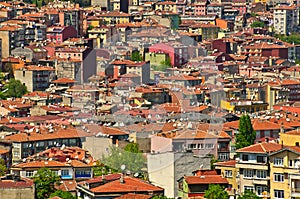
(58, 34)
(199, 7)
(240, 5)
(177, 52)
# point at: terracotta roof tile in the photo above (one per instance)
(23, 183)
(230, 163)
(134, 196)
(206, 179)
(262, 148)
(130, 185)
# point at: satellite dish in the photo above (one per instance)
(123, 167)
(136, 175)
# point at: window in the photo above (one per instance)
(228, 173)
(64, 172)
(249, 188)
(245, 157)
(278, 161)
(261, 174)
(248, 173)
(278, 193)
(278, 177)
(209, 146)
(296, 164)
(260, 159)
(260, 190)
(29, 174)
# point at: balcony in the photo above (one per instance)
(258, 181)
(295, 192)
(66, 177)
(83, 175)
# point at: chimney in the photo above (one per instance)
(267, 139)
(122, 179)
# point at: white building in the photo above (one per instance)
(286, 19)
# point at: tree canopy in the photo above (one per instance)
(246, 135)
(131, 157)
(248, 195)
(135, 56)
(62, 194)
(45, 180)
(216, 192)
(14, 88)
(257, 24)
(3, 168)
(292, 39)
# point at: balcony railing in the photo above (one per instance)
(66, 177)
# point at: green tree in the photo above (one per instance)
(62, 194)
(3, 168)
(135, 56)
(44, 181)
(133, 160)
(159, 197)
(8, 68)
(213, 160)
(167, 62)
(294, 38)
(100, 169)
(216, 192)
(248, 195)
(257, 24)
(14, 89)
(246, 135)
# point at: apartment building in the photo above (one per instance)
(12, 37)
(36, 78)
(253, 167)
(284, 173)
(286, 19)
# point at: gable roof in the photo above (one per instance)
(265, 147)
(129, 185)
(206, 179)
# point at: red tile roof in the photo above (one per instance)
(9, 184)
(63, 81)
(44, 134)
(262, 148)
(206, 179)
(109, 177)
(94, 128)
(130, 184)
(230, 163)
(67, 185)
(41, 163)
(134, 196)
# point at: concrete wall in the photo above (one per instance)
(26, 78)
(164, 169)
(97, 146)
(17, 193)
(161, 144)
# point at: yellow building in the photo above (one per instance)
(275, 94)
(168, 6)
(207, 30)
(115, 17)
(260, 1)
(253, 167)
(290, 138)
(228, 171)
(102, 34)
(285, 174)
(243, 106)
